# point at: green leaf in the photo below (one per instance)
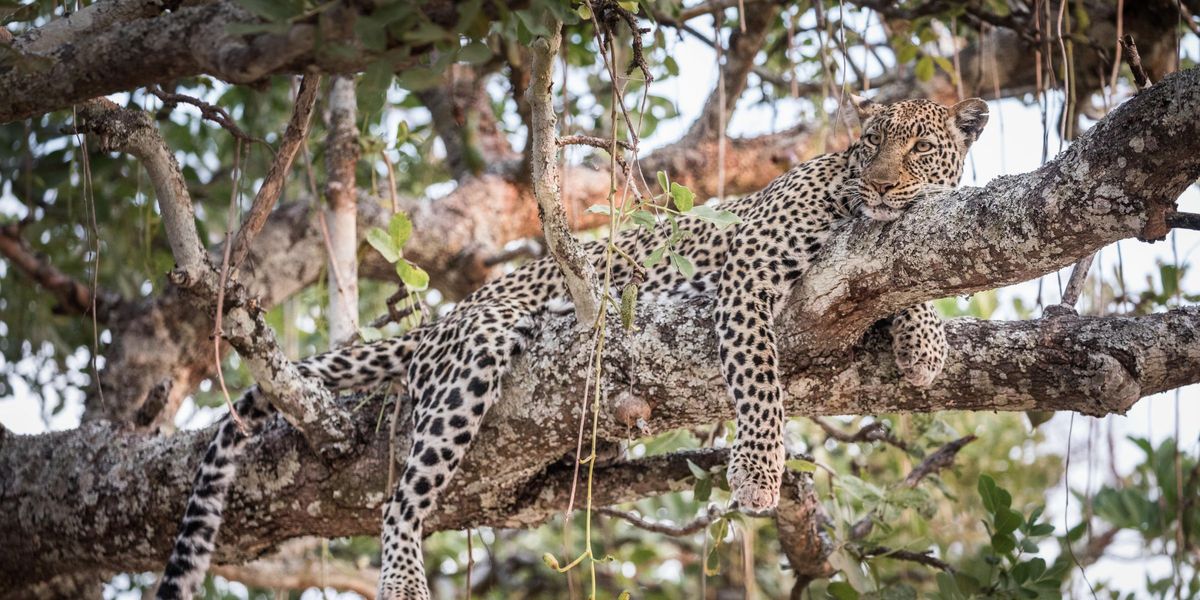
(684, 265)
(600, 209)
(400, 228)
(373, 87)
(382, 242)
(721, 218)
(944, 64)
(417, 80)
(697, 472)
(644, 218)
(1007, 520)
(840, 590)
(413, 276)
(801, 465)
(655, 257)
(993, 496)
(1003, 543)
(663, 182)
(584, 11)
(1041, 530)
(475, 53)
(683, 197)
(924, 68)
(703, 490)
(402, 133)
(629, 5)
(426, 33)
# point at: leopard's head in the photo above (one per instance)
(909, 150)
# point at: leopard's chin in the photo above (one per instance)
(882, 213)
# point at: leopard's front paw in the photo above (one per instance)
(754, 478)
(922, 371)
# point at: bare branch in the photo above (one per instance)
(132, 132)
(739, 62)
(1129, 52)
(216, 114)
(577, 269)
(295, 567)
(73, 296)
(711, 515)
(940, 459)
(1184, 220)
(306, 405)
(272, 186)
(924, 558)
(875, 431)
(341, 162)
(534, 427)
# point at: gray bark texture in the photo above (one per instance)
(97, 500)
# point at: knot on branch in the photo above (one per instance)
(115, 128)
(631, 411)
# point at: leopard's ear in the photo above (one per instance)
(857, 110)
(969, 117)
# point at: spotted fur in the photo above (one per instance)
(453, 367)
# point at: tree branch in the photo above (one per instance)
(268, 193)
(306, 405)
(72, 295)
(744, 46)
(1118, 180)
(575, 266)
(1091, 364)
(88, 58)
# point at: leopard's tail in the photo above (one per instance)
(344, 368)
(194, 542)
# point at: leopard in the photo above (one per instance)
(452, 368)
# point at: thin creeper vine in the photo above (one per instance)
(644, 213)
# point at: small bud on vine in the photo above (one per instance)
(628, 305)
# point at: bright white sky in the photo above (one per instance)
(1010, 144)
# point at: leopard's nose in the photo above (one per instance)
(882, 187)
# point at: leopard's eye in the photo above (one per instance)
(923, 146)
(873, 138)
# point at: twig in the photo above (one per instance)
(1183, 220)
(1130, 52)
(268, 193)
(591, 140)
(213, 113)
(398, 315)
(713, 514)
(598, 142)
(73, 295)
(924, 558)
(874, 432)
(940, 459)
(1075, 283)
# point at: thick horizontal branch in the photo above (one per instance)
(1119, 180)
(63, 511)
(69, 62)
